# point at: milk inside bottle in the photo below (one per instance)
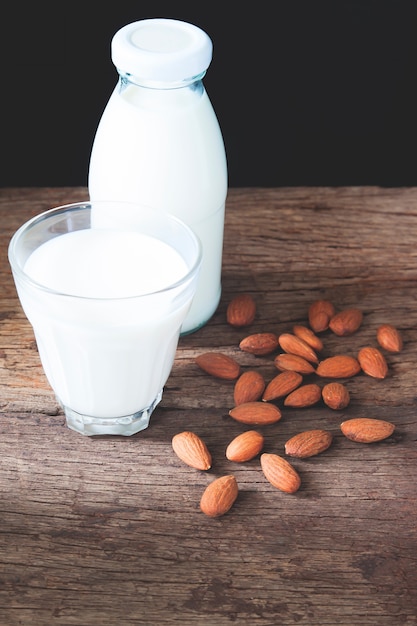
(159, 142)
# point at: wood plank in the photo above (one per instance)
(108, 530)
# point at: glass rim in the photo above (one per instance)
(18, 270)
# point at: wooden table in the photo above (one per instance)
(107, 531)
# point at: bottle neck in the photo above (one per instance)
(195, 82)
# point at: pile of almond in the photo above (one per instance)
(255, 399)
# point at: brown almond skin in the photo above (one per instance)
(280, 473)
(219, 496)
(249, 387)
(192, 450)
(245, 446)
(335, 395)
(366, 429)
(219, 365)
(260, 413)
(241, 310)
(259, 343)
(373, 362)
(307, 335)
(339, 366)
(389, 338)
(294, 345)
(346, 322)
(281, 385)
(303, 396)
(319, 314)
(308, 443)
(286, 361)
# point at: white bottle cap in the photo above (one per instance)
(161, 49)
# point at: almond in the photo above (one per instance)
(286, 361)
(389, 338)
(219, 496)
(192, 450)
(319, 314)
(305, 333)
(245, 446)
(339, 366)
(373, 362)
(260, 413)
(219, 365)
(241, 310)
(346, 322)
(259, 343)
(249, 387)
(294, 345)
(281, 385)
(335, 395)
(306, 395)
(366, 429)
(308, 443)
(280, 473)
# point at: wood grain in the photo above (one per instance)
(107, 531)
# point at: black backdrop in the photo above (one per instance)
(307, 92)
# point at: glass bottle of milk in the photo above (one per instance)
(159, 142)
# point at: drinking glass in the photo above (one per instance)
(106, 302)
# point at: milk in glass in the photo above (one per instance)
(105, 351)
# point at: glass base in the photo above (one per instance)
(125, 426)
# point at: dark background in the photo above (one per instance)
(306, 92)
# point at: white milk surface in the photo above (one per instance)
(165, 150)
(105, 352)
